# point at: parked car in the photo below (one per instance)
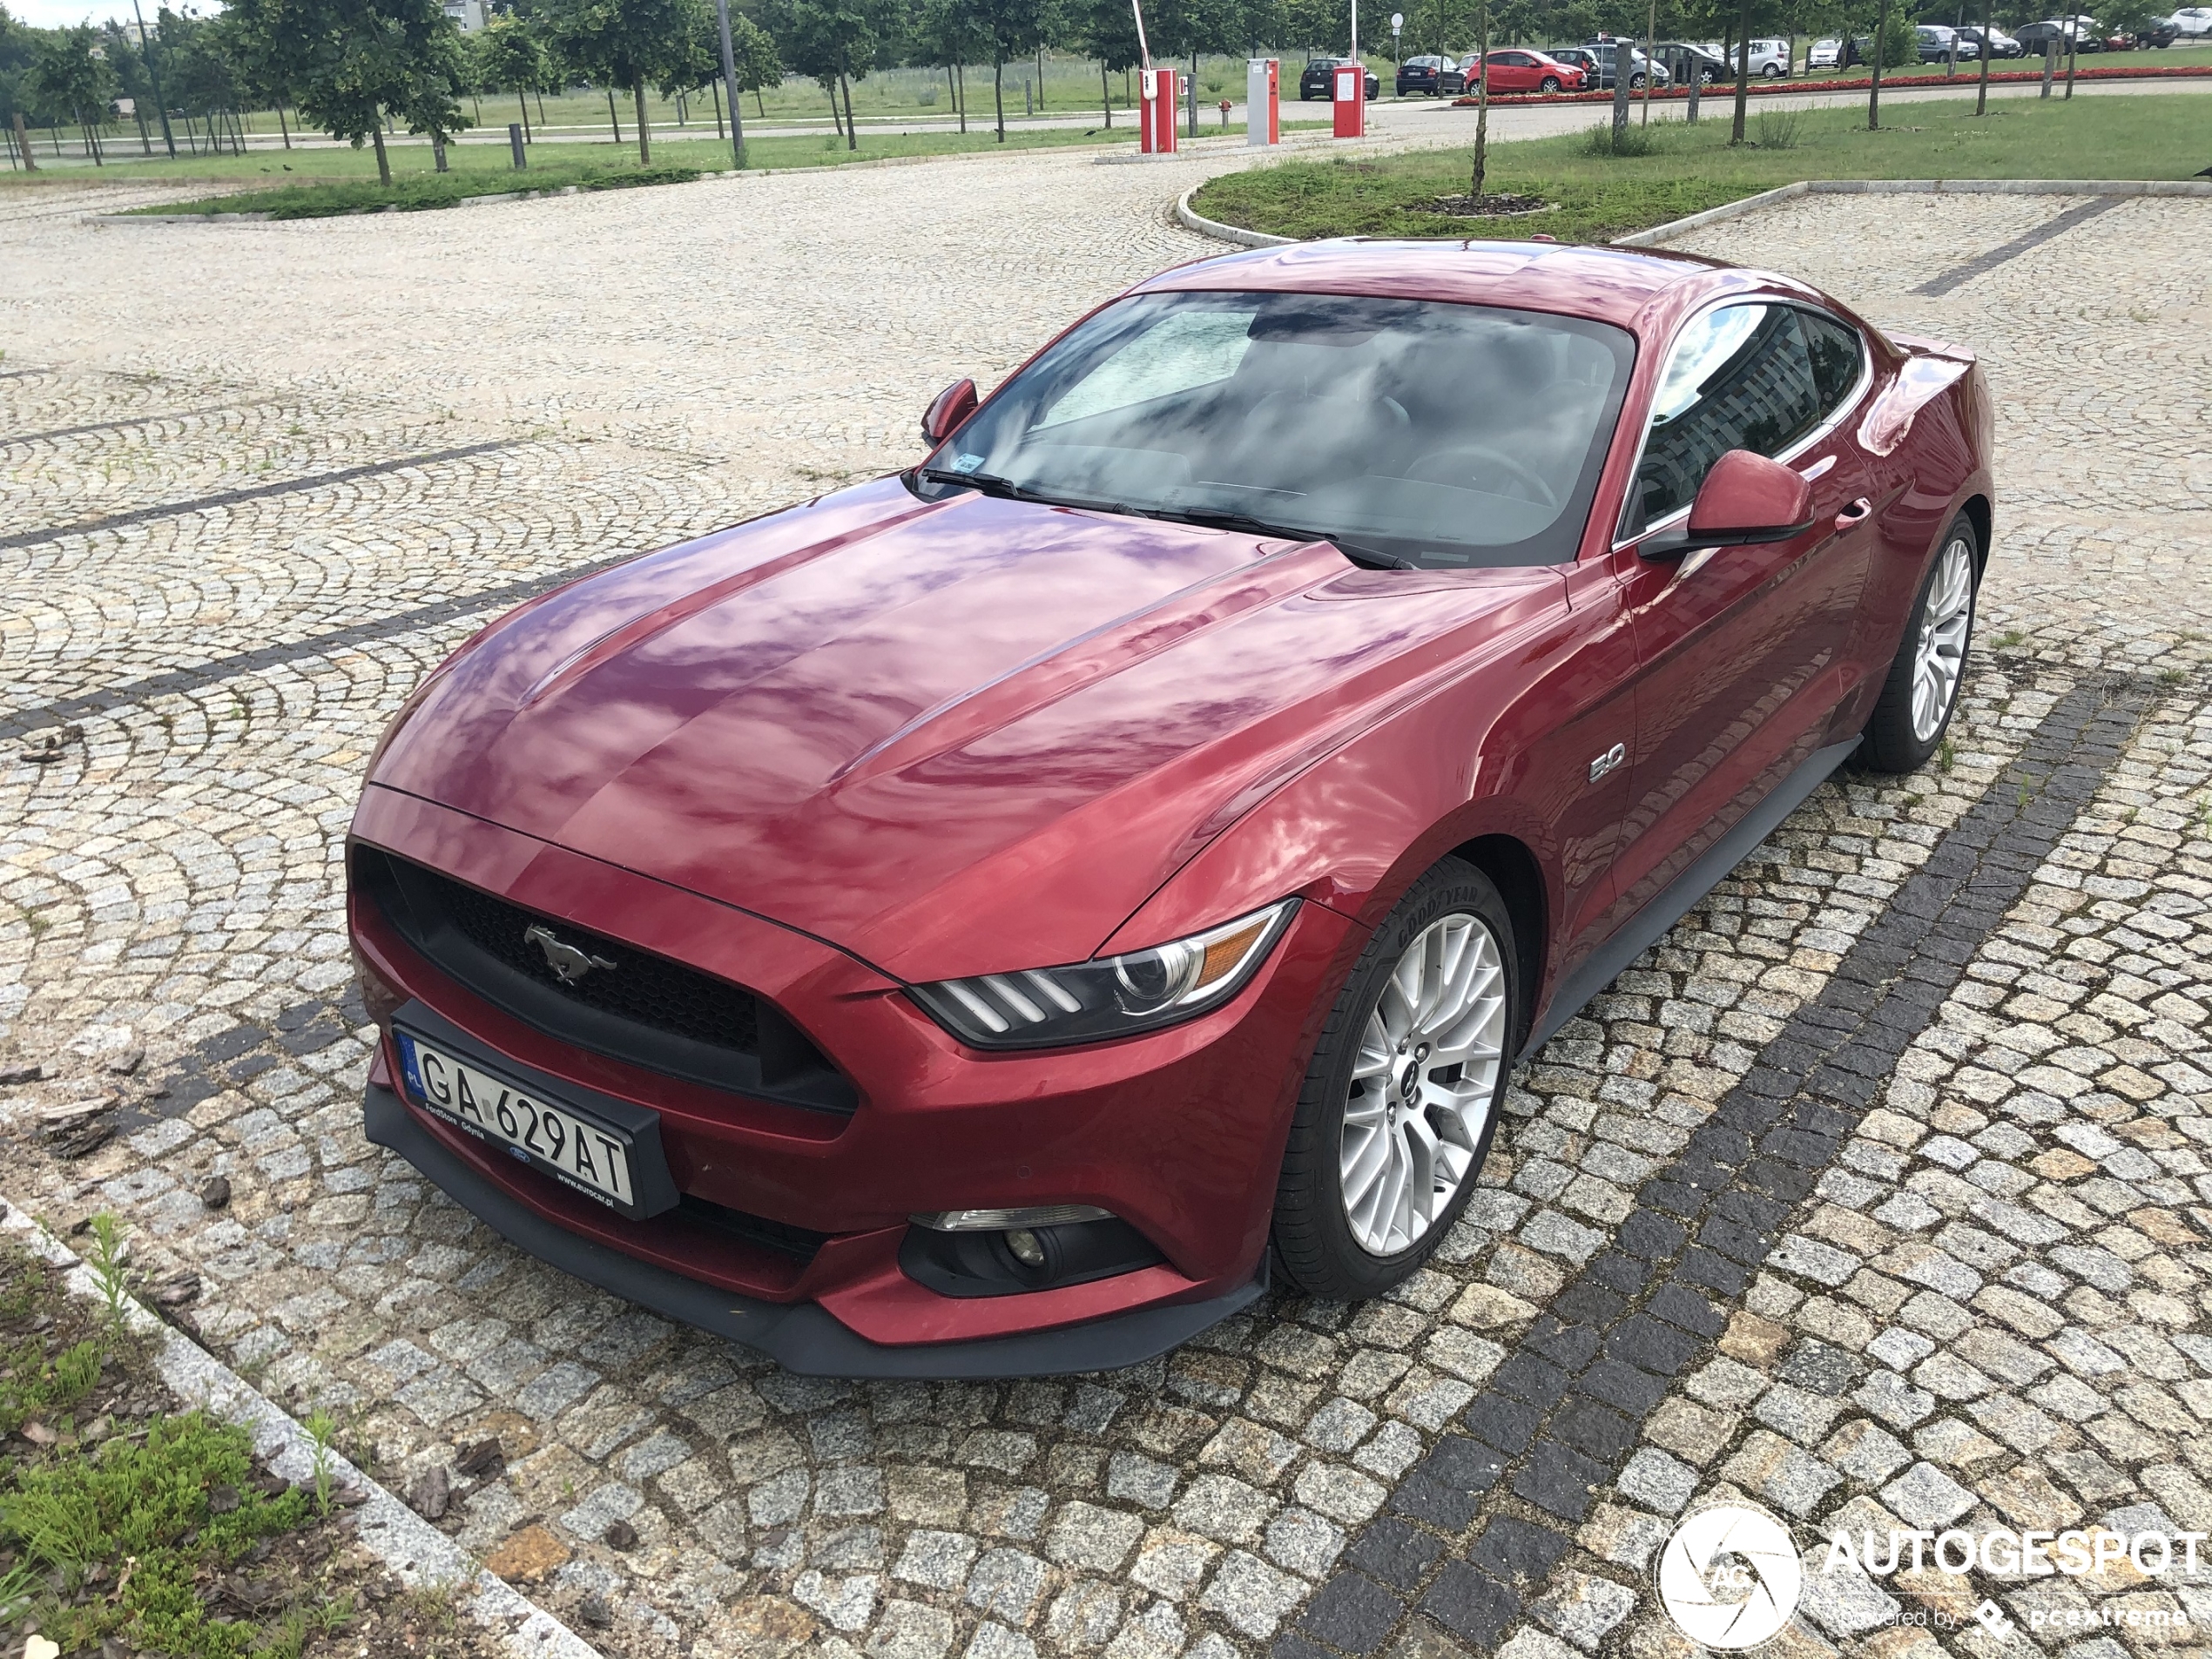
(972, 923)
(1769, 58)
(1595, 61)
(1522, 69)
(1424, 74)
(1999, 44)
(1935, 41)
(2162, 33)
(1319, 79)
(1682, 60)
(1825, 54)
(2081, 31)
(2192, 22)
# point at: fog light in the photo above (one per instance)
(1027, 1251)
(991, 1221)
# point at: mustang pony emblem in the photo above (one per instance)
(569, 964)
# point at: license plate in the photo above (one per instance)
(578, 1151)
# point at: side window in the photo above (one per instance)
(1838, 356)
(1740, 378)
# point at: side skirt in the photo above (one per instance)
(1648, 925)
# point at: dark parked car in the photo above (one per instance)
(2032, 36)
(973, 923)
(1999, 44)
(1438, 77)
(1682, 61)
(1316, 81)
(1595, 61)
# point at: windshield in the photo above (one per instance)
(1432, 434)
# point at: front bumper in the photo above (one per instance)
(801, 1336)
(1178, 1133)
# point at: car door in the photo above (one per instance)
(1743, 650)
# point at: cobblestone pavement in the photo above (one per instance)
(1879, 1190)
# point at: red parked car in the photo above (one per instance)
(1522, 70)
(988, 921)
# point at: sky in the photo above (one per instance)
(53, 13)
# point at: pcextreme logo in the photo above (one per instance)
(1730, 1577)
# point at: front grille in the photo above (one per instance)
(631, 1005)
(635, 985)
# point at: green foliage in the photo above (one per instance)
(622, 43)
(417, 192)
(70, 79)
(144, 1501)
(108, 1271)
(510, 58)
(1777, 129)
(34, 1382)
(1635, 139)
(352, 62)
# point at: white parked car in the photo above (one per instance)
(1825, 54)
(1770, 58)
(2192, 22)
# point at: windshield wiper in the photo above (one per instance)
(1373, 557)
(991, 484)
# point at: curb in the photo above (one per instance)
(1237, 236)
(416, 1552)
(1659, 233)
(1781, 88)
(1192, 219)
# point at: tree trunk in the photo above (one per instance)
(759, 104)
(645, 134)
(852, 132)
(1040, 80)
(1106, 94)
(383, 161)
(1743, 72)
(2072, 48)
(960, 98)
(1650, 50)
(1874, 86)
(1481, 108)
(524, 98)
(283, 125)
(438, 151)
(540, 109)
(719, 132)
(23, 144)
(1981, 95)
(613, 120)
(998, 92)
(836, 120)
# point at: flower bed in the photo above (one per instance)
(1764, 88)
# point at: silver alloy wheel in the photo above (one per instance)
(1423, 1084)
(1940, 651)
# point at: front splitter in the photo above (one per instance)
(802, 1337)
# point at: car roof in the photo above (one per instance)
(1605, 284)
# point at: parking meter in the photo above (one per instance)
(1349, 97)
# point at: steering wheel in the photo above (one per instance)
(1532, 486)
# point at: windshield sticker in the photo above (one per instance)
(967, 462)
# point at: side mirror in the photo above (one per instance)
(950, 406)
(1745, 499)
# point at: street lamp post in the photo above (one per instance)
(729, 84)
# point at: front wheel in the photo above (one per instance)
(1921, 692)
(1549, 83)
(1403, 1094)
(1635, 82)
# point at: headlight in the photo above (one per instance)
(1114, 996)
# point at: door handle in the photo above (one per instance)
(1854, 513)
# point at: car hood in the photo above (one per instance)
(951, 736)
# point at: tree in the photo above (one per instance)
(511, 58)
(356, 61)
(131, 80)
(69, 76)
(1008, 29)
(833, 43)
(759, 65)
(1106, 30)
(945, 36)
(624, 43)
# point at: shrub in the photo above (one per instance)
(1635, 139)
(1777, 130)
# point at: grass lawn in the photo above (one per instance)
(1689, 169)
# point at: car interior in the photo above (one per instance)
(1452, 435)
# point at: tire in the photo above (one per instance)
(1549, 83)
(1772, 72)
(1635, 82)
(1904, 729)
(1445, 923)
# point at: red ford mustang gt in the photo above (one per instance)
(986, 921)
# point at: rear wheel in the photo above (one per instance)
(1921, 692)
(1402, 1097)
